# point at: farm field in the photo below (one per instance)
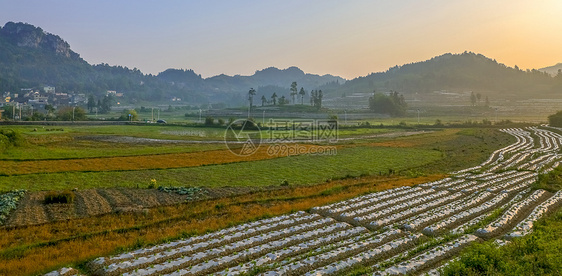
(398, 231)
(127, 217)
(172, 167)
(382, 230)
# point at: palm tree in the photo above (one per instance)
(302, 93)
(274, 98)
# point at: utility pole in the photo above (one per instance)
(74, 107)
(418, 116)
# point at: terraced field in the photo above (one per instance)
(401, 231)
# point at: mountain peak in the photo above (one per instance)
(26, 35)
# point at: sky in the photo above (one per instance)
(345, 38)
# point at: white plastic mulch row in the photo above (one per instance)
(426, 258)
(389, 206)
(526, 225)
(364, 257)
(448, 184)
(306, 246)
(215, 238)
(305, 265)
(509, 215)
(338, 207)
(436, 183)
(444, 211)
(393, 207)
(462, 216)
(382, 221)
(502, 175)
(189, 254)
(221, 262)
(524, 177)
(488, 211)
(65, 271)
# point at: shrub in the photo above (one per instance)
(4, 143)
(15, 138)
(59, 197)
(209, 121)
(152, 184)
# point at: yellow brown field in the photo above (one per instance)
(125, 163)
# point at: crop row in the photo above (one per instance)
(511, 214)
(217, 238)
(429, 257)
(8, 203)
(526, 225)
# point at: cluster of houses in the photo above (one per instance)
(36, 100)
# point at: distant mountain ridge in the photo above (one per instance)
(552, 70)
(31, 57)
(464, 72)
(271, 76)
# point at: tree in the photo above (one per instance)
(472, 98)
(251, 94)
(71, 113)
(274, 98)
(294, 90)
(318, 100)
(282, 100)
(125, 115)
(487, 102)
(393, 104)
(50, 110)
(106, 104)
(263, 100)
(478, 96)
(91, 103)
(302, 93)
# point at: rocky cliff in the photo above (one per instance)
(26, 35)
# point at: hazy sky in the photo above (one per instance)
(345, 38)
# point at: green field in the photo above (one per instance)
(298, 170)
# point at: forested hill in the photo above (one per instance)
(31, 58)
(466, 71)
